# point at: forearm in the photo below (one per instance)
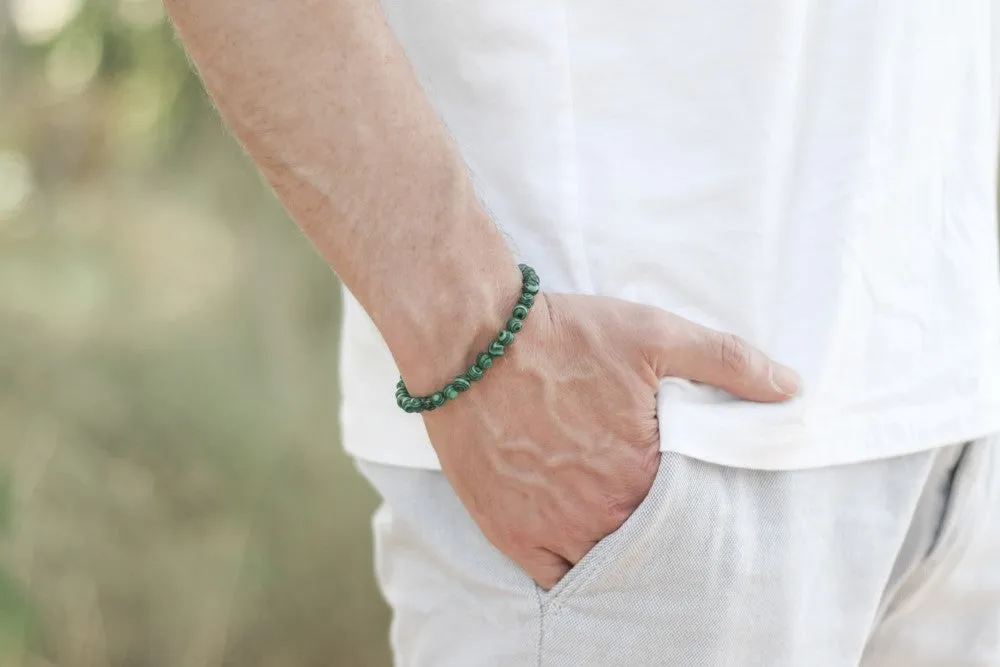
(322, 96)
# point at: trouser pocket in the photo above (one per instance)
(647, 518)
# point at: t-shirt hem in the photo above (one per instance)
(771, 448)
(828, 445)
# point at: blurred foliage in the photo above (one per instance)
(172, 491)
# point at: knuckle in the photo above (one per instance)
(734, 354)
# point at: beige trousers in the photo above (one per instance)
(888, 563)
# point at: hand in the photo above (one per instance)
(559, 443)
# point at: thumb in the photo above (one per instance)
(723, 360)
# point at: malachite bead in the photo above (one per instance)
(530, 286)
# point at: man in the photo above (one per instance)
(627, 478)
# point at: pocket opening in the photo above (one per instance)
(610, 548)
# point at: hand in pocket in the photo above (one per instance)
(557, 448)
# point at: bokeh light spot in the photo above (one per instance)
(73, 62)
(42, 20)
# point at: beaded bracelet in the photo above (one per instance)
(529, 288)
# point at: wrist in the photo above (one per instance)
(438, 337)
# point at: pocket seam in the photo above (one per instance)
(610, 547)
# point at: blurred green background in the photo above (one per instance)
(172, 489)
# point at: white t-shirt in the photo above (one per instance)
(817, 176)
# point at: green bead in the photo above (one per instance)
(530, 286)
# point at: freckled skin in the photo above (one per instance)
(559, 443)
